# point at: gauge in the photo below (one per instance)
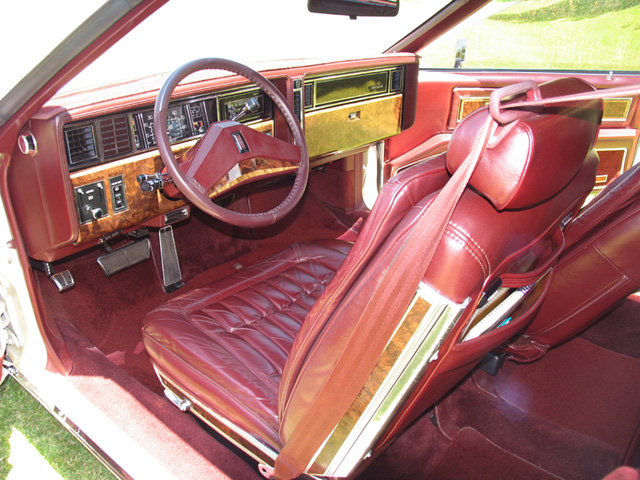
(176, 123)
(147, 129)
(177, 128)
(197, 116)
(234, 107)
(136, 132)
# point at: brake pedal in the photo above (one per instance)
(171, 273)
(124, 257)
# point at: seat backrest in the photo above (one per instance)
(535, 172)
(602, 253)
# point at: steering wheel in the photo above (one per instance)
(230, 152)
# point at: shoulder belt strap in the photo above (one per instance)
(390, 298)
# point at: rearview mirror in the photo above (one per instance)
(355, 8)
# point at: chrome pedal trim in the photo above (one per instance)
(63, 281)
(176, 215)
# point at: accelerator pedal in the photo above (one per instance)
(171, 273)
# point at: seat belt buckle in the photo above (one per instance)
(266, 471)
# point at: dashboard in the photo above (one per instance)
(112, 137)
(94, 171)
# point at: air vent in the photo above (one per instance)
(308, 95)
(396, 80)
(114, 132)
(81, 145)
(297, 104)
(176, 215)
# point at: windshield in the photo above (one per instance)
(28, 23)
(248, 31)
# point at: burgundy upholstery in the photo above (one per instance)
(524, 153)
(599, 268)
(265, 386)
(250, 320)
(228, 342)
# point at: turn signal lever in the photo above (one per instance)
(151, 183)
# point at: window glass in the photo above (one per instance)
(544, 35)
(31, 28)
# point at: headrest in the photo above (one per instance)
(532, 158)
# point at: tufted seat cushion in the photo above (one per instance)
(228, 342)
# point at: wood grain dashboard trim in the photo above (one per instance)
(350, 126)
(143, 206)
(465, 101)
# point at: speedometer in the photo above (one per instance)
(176, 123)
(177, 128)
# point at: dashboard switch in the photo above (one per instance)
(118, 197)
(97, 213)
(91, 201)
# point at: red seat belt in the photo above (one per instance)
(376, 323)
(392, 295)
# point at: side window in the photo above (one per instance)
(602, 35)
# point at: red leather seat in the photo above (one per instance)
(599, 268)
(252, 351)
(228, 342)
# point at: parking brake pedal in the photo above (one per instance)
(124, 257)
(171, 273)
(62, 280)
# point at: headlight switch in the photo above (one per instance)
(91, 201)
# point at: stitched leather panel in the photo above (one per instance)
(601, 267)
(480, 244)
(398, 196)
(227, 343)
(623, 192)
(520, 166)
(483, 242)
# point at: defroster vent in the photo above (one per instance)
(115, 136)
(81, 145)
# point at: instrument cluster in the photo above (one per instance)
(111, 137)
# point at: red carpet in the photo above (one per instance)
(471, 455)
(109, 310)
(620, 332)
(582, 387)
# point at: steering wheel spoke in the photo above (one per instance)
(231, 153)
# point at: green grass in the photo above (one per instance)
(20, 411)
(549, 34)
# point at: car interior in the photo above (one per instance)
(204, 248)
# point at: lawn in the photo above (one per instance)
(549, 34)
(33, 444)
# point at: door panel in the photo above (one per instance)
(445, 98)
